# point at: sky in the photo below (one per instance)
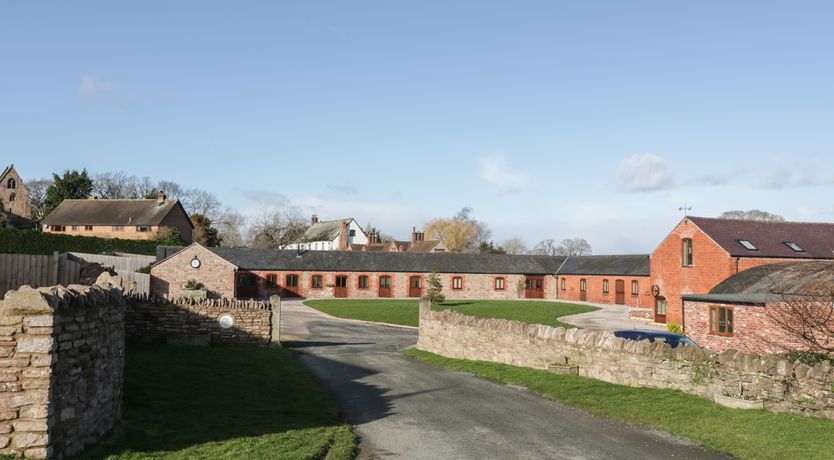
(549, 119)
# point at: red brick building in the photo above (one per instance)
(701, 252)
(622, 280)
(757, 309)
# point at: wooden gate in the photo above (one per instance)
(415, 286)
(619, 294)
(341, 289)
(534, 287)
(384, 286)
(583, 290)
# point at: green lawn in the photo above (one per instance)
(226, 403)
(745, 434)
(406, 312)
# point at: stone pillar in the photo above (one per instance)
(425, 306)
(275, 333)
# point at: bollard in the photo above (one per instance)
(275, 334)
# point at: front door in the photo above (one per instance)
(534, 287)
(341, 289)
(415, 286)
(583, 289)
(385, 286)
(619, 292)
(660, 310)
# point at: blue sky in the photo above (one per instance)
(550, 119)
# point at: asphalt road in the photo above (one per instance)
(402, 408)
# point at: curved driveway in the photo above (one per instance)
(402, 408)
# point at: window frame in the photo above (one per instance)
(320, 278)
(583, 285)
(361, 278)
(794, 246)
(271, 280)
(715, 326)
(287, 280)
(746, 244)
(88, 228)
(117, 228)
(388, 278)
(687, 253)
(564, 284)
(635, 287)
(457, 283)
(76, 228)
(605, 286)
(503, 283)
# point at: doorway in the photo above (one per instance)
(534, 287)
(660, 310)
(619, 292)
(415, 286)
(341, 289)
(583, 290)
(385, 286)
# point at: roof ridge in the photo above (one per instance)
(803, 222)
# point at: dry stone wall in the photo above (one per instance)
(61, 368)
(783, 385)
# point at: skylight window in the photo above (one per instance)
(794, 247)
(748, 245)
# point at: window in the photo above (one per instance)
(748, 245)
(794, 247)
(363, 281)
(291, 281)
(635, 287)
(499, 284)
(11, 183)
(564, 284)
(57, 228)
(385, 282)
(118, 228)
(88, 228)
(76, 228)
(605, 286)
(721, 320)
(143, 228)
(341, 281)
(316, 282)
(248, 280)
(583, 285)
(272, 281)
(660, 306)
(457, 283)
(686, 256)
(12, 196)
(352, 233)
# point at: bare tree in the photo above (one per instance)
(276, 227)
(197, 201)
(753, 214)
(37, 197)
(806, 310)
(546, 247)
(514, 246)
(573, 247)
(230, 227)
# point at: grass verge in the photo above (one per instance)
(224, 403)
(406, 312)
(745, 434)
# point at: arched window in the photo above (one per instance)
(12, 196)
(11, 183)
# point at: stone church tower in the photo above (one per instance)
(15, 199)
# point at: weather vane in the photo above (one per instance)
(685, 209)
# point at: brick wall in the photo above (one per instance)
(168, 279)
(154, 321)
(61, 369)
(643, 299)
(783, 385)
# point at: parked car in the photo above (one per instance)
(669, 337)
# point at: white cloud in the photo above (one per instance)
(644, 173)
(91, 85)
(342, 188)
(495, 171)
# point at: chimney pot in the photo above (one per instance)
(314, 220)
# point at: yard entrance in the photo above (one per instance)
(415, 286)
(534, 287)
(385, 286)
(619, 292)
(341, 289)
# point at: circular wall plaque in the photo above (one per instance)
(195, 262)
(226, 321)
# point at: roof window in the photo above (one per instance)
(794, 247)
(748, 245)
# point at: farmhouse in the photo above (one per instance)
(614, 279)
(15, 198)
(125, 219)
(765, 309)
(329, 235)
(701, 252)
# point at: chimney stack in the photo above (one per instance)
(416, 236)
(314, 220)
(343, 237)
(162, 197)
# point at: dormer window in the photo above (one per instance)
(794, 247)
(748, 245)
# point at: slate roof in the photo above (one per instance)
(769, 283)
(622, 265)
(111, 212)
(288, 260)
(326, 230)
(816, 238)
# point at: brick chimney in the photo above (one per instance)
(162, 197)
(314, 220)
(373, 236)
(416, 236)
(343, 236)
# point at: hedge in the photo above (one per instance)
(35, 242)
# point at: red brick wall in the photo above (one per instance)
(594, 294)
(753, 330)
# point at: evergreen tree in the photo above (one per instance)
(72, 185)
(435, 288)
(204, 233)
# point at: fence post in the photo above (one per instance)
(425, 306)
(56, 261)
(275, 333)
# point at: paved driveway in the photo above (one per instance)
(608, 317)
(402, 408)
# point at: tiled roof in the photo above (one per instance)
(623, 265)
(816, 239)
(111, 212)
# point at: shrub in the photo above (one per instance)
(194, 285)
(675, 328)
(13, 241)
(809, 358)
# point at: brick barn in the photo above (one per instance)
(760, 310)
(701, 252)
(254, 273)
(622, 280)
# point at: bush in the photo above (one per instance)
(675, 328)
(809, 358)
(34, 242)
(194, 285)
(435, 288)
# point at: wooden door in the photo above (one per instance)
(583, 290)
(247, 285)
(534, 287)
(619, 292)
(415, 286)
(341, 289)
(660, 309)
(384, 286)
(291, 286)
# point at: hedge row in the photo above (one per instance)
(35, 242)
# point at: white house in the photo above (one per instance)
(330, 235)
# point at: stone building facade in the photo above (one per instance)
(15, 198)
